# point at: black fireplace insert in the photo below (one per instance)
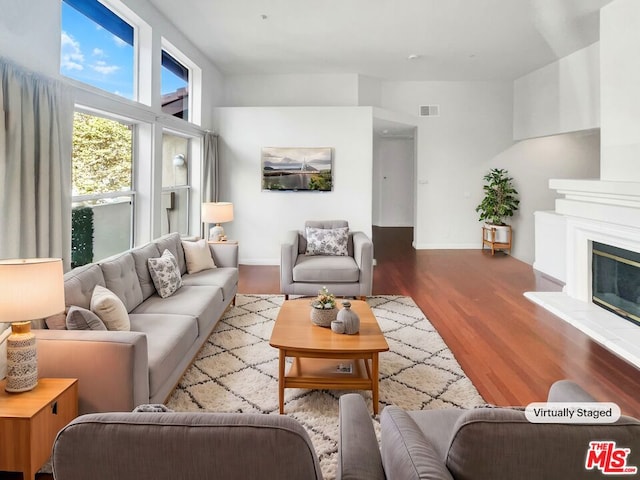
(616, 280)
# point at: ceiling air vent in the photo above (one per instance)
(429, 110)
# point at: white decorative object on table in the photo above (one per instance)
(349, 319)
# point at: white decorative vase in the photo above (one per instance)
(349, 318)
(22, 359)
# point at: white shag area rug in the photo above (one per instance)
(237, 371)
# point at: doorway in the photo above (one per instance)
(394, 159)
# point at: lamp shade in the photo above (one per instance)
(30, 289)
(217, 212)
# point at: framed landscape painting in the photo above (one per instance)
(297, 169)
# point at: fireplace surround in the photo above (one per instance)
(599, 212)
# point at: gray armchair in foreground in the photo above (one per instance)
(492, 443)
(185, 446)
(304, 273)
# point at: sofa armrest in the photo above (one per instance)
(288, 257)
(111, 366)
(406, 452)
(363, 255)
(568, 391)
(358, 450)
(224, 254)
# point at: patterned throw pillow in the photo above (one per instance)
(327, 241)
(165, 274)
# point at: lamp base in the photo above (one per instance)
(22, 360)
(216, 233)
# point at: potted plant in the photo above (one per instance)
(323, 308)
(500, 202)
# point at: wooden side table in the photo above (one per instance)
(30, 421)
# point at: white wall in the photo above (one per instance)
(369, 91)
(561, 97)
(291, 90)
(30, 36)
(532, 163)
(453, 152)
(262, 218)
(620, 90)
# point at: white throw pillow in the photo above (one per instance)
(327, 241)
(110, 309)
(165, 274)
(198, 256)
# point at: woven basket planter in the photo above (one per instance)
(323, 316)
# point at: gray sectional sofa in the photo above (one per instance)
(118, 370)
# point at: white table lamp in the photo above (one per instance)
(30, 289)
(217, 212)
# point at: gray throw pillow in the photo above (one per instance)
(57, 321)
(80, 318)
(327, 241)
(165, 274)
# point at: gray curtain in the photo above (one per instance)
(210, 190)
(36, 125)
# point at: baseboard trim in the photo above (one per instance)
(259, 261)
(446, 246)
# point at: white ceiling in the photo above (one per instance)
(454, 39)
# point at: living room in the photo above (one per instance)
(547, 117)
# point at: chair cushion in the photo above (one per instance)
(329, 269)
(121, 278)
(223, 277)
(203, 303)
(79, 284)
(169, 339)
(327, 241)
(173, 243)
(140, 256)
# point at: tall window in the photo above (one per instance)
(175, 87)
(175, 184)
(97, 47)
(102, 188)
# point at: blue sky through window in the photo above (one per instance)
(93, 55)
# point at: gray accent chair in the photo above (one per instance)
(186, 446)
(490, 443)
(344, 276)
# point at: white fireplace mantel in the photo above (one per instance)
(600, 211)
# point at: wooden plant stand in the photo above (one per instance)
(489, 239)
